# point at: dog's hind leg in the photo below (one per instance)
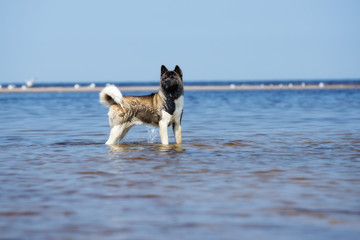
(116, 133)
(125, 131)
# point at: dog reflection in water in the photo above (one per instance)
(142, 146)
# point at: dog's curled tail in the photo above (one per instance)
(111, 95)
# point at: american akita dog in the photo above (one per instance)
(159, 109)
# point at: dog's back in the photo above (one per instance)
(138, 110)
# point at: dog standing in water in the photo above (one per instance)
(159, 109)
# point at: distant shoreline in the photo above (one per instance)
(231, 87)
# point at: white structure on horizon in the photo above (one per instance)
(29, 83)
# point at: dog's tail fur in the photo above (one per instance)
(111, 95)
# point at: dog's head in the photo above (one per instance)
(171, 81)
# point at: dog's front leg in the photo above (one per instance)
(163, 130)
(177, 132)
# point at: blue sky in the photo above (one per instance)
(121, 41)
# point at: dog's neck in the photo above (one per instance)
(169, 96)
(172, 93)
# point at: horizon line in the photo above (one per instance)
(192, 80)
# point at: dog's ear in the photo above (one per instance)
(178, 71)
(163, 69)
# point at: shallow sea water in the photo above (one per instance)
(279, 164)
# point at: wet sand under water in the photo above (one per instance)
(265, 165)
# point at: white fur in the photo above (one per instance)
(167, 119)
(118, 132)
(179, 104)
(113, 92)
(163, 125)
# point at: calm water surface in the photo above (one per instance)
(253, 165)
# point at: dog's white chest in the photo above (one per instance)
(179, 104)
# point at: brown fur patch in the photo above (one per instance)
(146, 109)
